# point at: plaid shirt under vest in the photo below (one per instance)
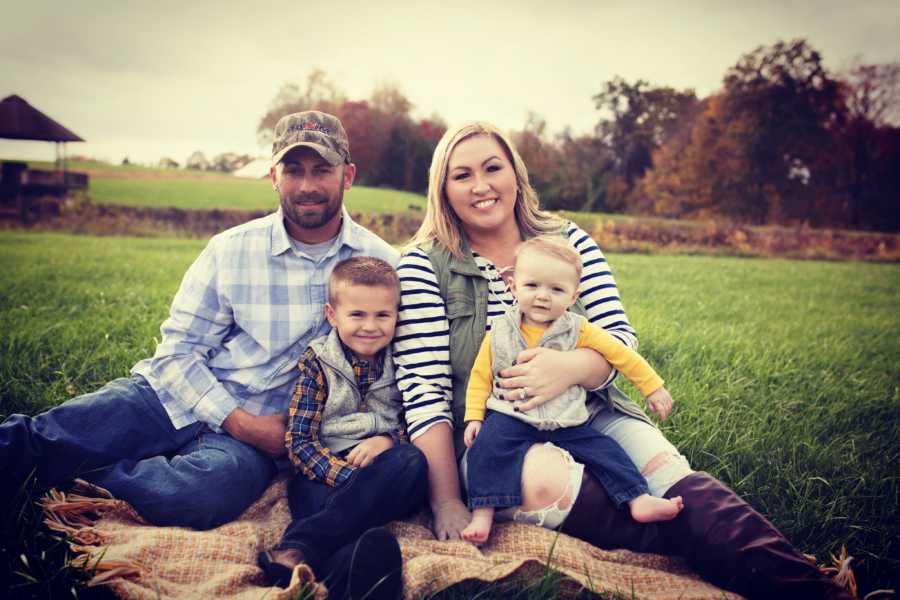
(309, 455)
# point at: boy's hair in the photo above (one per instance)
(362, 270)
(556, 246)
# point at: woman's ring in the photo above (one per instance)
(523, 394)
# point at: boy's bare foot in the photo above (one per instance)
(646, 508)
(479, 528)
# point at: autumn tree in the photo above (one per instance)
(871, 95)
(641, 118)
(787, 105)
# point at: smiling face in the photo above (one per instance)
(481, 185)
(545, 287)
(364, 315)
(311, 192)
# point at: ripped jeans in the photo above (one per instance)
(640, 440)
(494, 463)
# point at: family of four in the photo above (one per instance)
(480, 364)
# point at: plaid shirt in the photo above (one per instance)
(305, 449)
(245, 312)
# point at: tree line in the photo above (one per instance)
(784, 141)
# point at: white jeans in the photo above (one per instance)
(641, 442)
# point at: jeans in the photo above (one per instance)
(495, 461)
(642, 441)
(326, 518)
(121, 438)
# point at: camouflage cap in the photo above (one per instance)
(317, 130)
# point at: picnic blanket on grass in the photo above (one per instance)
(143, 562)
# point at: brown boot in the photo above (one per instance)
(595, 519)
(735, 547)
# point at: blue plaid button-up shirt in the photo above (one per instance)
(244, 314)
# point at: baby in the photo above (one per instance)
(545, 284)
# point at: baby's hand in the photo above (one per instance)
(472, 429)
(365, 452)
(660, 402)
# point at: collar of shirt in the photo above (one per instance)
(366, 372)
(347, 235)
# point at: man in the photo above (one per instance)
(196, 434)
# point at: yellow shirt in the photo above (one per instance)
(620, 356)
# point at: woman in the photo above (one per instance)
(480, 208)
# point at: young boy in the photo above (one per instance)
(345, 437)
(545, 284)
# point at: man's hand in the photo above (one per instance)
(660, 402)
(365, 452)
(266, 433)
(472, 429)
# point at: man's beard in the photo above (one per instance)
(311, 219)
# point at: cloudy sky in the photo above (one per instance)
(164, 78)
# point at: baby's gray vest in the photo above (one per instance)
(566, 410)
(343, 424)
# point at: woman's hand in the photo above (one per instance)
(365, 452)
(544, 374)
(660, 402)
(472, 429)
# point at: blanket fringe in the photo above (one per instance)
(839, 570)
(74, 515)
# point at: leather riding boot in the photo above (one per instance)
(595, 519)
(735, 547)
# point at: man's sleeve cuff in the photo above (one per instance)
(214, 407)
(609, 381)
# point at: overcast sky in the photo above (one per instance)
(153, 79)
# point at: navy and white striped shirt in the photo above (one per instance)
(245, 312)
(421, 342)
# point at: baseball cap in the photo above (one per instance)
(314, 129)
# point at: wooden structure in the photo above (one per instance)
(21, 187)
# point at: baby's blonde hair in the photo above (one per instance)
(556, 246)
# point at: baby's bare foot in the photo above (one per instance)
(647, 509)
(289, 558)
(479, 528)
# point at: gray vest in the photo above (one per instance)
(566, 410)
(343, 423)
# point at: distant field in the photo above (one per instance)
(144, 186)
(785, 372)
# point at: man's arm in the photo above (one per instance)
(305, 449)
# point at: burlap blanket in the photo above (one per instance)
(139, 561)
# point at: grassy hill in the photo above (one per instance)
(784, 372)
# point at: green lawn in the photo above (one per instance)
(785, 373)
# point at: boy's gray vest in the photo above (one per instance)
(343, 424)
(465, 294)
(566, 410)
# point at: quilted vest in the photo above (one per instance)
(567, 409)
(343, 423)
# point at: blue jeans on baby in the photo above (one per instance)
(121, 438)
(495, 461)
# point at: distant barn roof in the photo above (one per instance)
(21, 121)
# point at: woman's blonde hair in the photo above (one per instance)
(442, 225)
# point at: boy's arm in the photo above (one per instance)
(304, 419)
(481, 381)
(623, 358)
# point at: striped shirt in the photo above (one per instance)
(421, 342)
(246, 310)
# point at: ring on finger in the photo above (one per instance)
(523, 394)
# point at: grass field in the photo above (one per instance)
(785, 373)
